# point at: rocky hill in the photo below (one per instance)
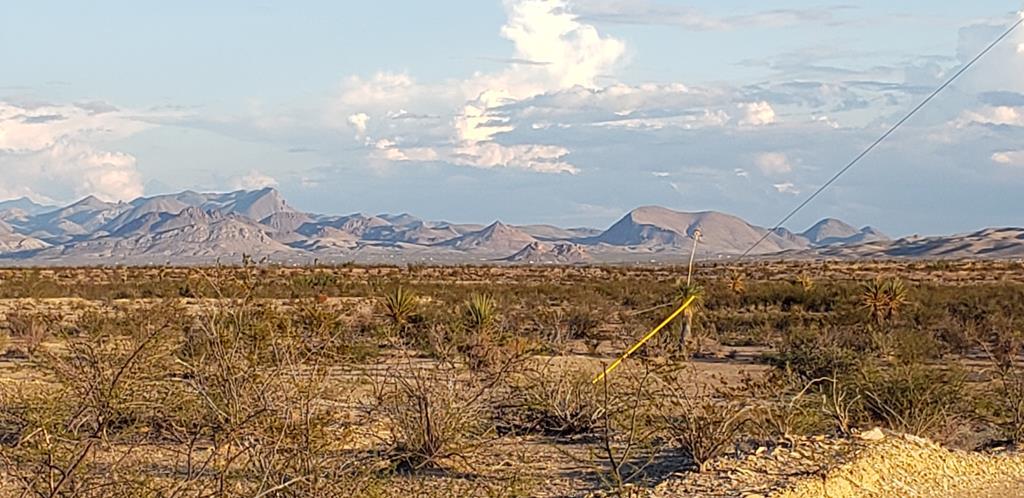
(193, 228)
(559, 253)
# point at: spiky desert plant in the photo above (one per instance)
(806, 281)
(480, 312)
(737, 282)
(897, 297)
(883, 299)
(873, 299)
(400, 305)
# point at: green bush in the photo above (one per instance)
(913, 398)
(811, 354)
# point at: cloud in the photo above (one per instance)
(359, 121)
(390, 151)
(997, 115)
(1002, 98)
(1001, 69)
(514, 60)
(496, 117)
(786, 188)
(575, 55)
(539, 158)
(383, 89)
(553, 51)
(254, 180)
(56, 152)
(575, 52)
(649, 12)
(1009, 158)
(558, 104)
(756, 114)
(773, 163)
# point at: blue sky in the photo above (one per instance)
(562, 111)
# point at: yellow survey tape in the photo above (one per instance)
(646, 338)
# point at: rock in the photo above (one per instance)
(875, 434)
(920, 441)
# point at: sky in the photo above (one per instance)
(569, 112)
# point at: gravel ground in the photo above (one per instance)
(874, 464)
(898, 466)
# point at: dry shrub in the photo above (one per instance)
(785, 406)
(107, 394)
(914, 398)
(238, 404)
(557, 403)
(629, 444)
(549, 324)
(1003, 345)
(266, 405)
(583, 325)
(321, 332)
(701, 422)
(29, 330)
(433, 415)
(811, 353)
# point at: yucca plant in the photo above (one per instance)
(400, 306)
(806, 281)
(898, 297)
(883, 299)
(737, 282)
(873, 299)
(480, 312)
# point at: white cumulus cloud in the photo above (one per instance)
(359, 122)
(254, 180)
(553, 51)
(773, 163)
(994, 115)
(539, 158)
(1009, 158)
(786, 188)
(56, 152)
(756, 114)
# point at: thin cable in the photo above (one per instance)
(883, 137)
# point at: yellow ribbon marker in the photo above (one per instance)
(646, 338)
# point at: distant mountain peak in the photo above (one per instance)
(831, 231)
(540, 252)
(499, 227)
(191, 227)
(24, 205)
(92, 201)
(494, 237)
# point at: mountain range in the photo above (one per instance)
(204, 228)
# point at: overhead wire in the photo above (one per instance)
(949, 81)
(884, 136)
